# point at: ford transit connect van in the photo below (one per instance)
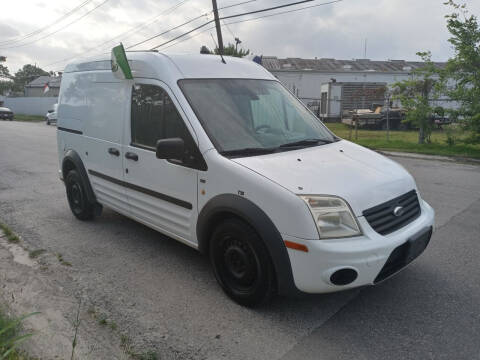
(221, 157)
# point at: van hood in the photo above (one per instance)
(360, 176)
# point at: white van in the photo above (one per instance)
(221, 157)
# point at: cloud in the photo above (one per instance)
(7, 31)
(395, 29)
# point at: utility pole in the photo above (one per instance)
(388, 116)
(219, 29)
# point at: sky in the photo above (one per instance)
(392, 29)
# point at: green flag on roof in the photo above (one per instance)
(119, 60)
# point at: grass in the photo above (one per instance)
(28, 118)
(407, 141)
(62, 261)
(126, 345)
(11, 236)
(32, 254)
(10, 337)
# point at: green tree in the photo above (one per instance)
(5, 79)
(462, 72)
(416, 94)
(232, 50)
(26, 74)
(4, 72)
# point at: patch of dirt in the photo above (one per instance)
(30, 285)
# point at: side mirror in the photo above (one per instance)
(49, 111)
(172, 148)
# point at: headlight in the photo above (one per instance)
(333, 217)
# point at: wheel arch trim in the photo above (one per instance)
(225, 204)
(70, 158)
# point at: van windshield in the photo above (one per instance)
(251, 117)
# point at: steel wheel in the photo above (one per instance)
(241, 263)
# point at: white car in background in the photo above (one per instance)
(51, 117)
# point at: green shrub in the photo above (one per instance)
(10, 338)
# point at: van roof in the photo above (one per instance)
(159, 65)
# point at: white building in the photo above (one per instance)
(331, 86)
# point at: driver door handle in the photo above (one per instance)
(113, 151)
(131, 156)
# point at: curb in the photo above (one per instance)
(430, 157)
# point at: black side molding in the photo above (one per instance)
(155, 194)
(78, 132)
(229, 204)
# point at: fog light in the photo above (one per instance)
(343, 277)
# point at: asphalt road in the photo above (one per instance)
(164, 294)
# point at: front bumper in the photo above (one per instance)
(367, 255)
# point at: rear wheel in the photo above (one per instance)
(77, 198)
(241, 263)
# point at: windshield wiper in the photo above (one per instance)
(248, 151)
(306, 142)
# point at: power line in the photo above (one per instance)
(132, 30)
(169, 30)
(242, 14)
(237, 4)
(186, 23)
(275, 7)
(51, 23)
(149, 22)
(283, 12)
(60, 29)
(252, 19)
(226, 23)
(228, 28)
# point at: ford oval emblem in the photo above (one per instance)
(398, 211)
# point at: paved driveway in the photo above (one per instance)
(164, 296)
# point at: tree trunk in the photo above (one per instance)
(421, 134)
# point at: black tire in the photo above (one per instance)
(241, 263)
(47, 121)
(77, 198)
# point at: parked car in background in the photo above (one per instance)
(51, 117)
(6, 114)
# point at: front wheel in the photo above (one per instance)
(77, 197)
(241, 263)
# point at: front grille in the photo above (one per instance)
(382, 218)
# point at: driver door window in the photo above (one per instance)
(155, 117)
